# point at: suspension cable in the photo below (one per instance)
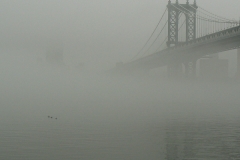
(210, 22)
(213, 22)
(214, 14)
(150, 36)
(155, 38)
(202, 18)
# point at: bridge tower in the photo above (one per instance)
(174, 11)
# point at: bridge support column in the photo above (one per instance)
(238, 65)
(191, 69)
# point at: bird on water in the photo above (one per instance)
(51, 117)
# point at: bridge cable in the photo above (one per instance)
(216, 27)
(165, 37)
(224, 25)
(155, 39)
(215, 14)
(203, 18)
(212, 26)
(150, 36)
(210, 17)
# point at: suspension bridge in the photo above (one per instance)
(192, 33)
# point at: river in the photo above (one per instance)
(101, 118)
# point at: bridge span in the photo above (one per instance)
(197, 43)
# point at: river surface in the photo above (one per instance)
(116, 119)
(40, 138)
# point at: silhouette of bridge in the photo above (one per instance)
(192, 33)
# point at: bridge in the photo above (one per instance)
(192, 33)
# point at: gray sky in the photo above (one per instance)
(98, 32)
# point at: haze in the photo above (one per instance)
(102, 116)
(98, 33)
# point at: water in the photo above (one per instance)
(110, 118)
(44, 138)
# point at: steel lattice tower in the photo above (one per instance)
(174, 10)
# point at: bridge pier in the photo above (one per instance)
(191, 69)
(175, 71)
(238, 65)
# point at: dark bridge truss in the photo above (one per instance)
(173, 21)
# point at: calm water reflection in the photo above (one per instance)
(203, 139)
(186, 137)
(112, 119)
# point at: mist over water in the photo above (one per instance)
(112, 117)
(58, 103)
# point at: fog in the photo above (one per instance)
(103, 116)
(43, 89)
(99, 34)
(99, 116)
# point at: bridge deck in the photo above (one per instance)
(213, 43)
